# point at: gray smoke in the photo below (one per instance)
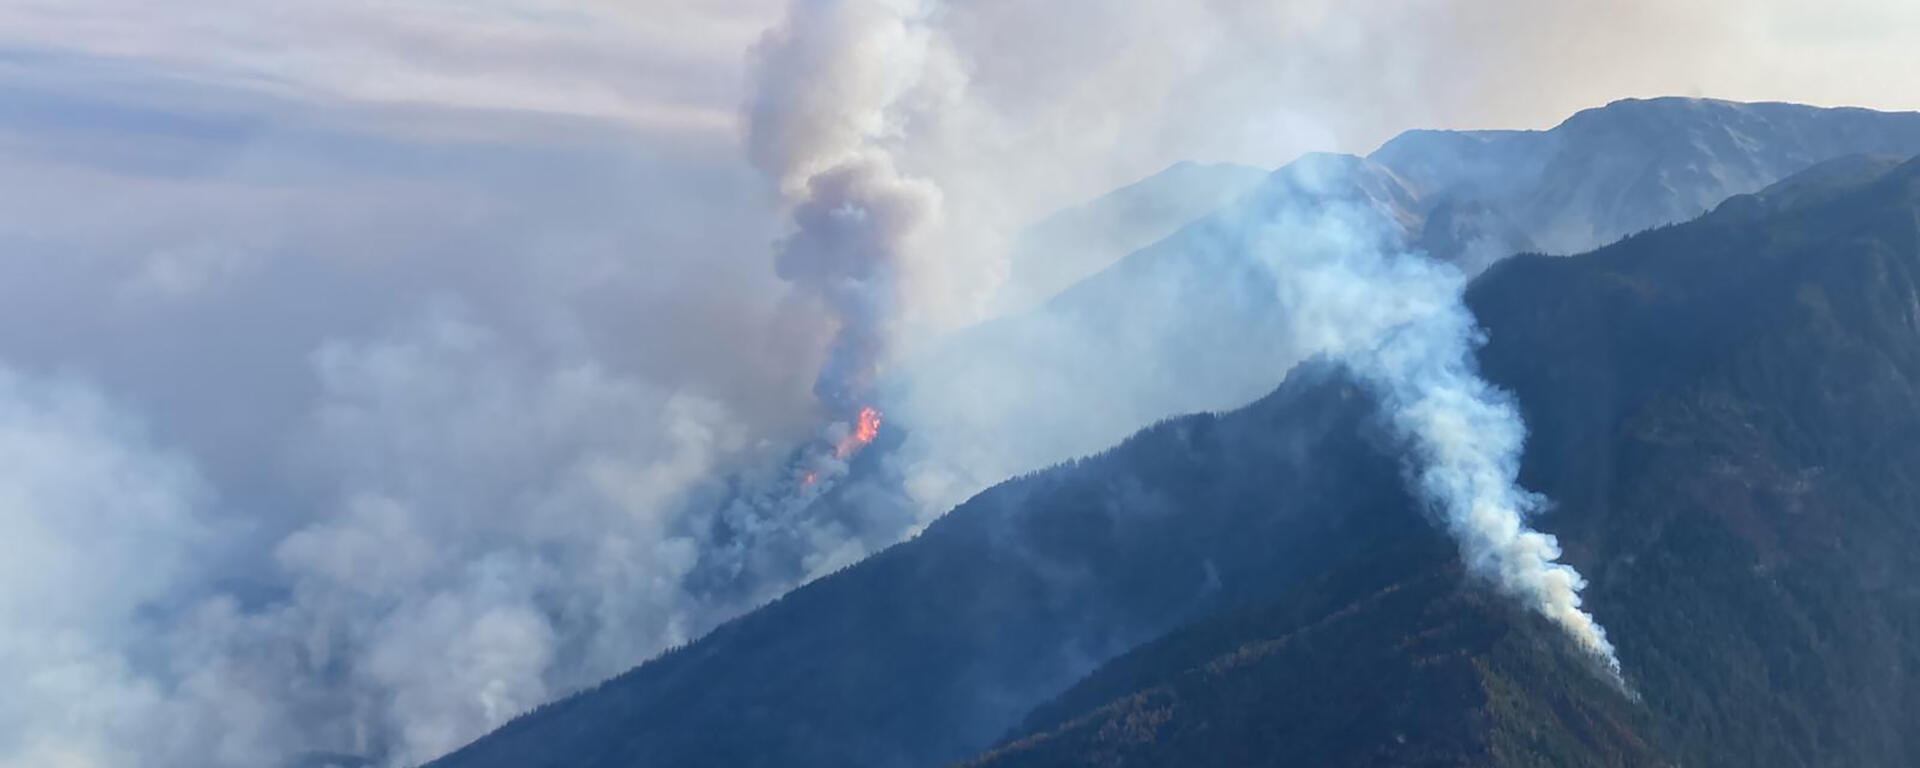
(853, 233)
(829, 83)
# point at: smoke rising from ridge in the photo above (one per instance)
(1467, 437)
(1352, 290)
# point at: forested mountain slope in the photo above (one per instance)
(1724, 412)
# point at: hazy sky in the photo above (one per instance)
(679, 64)
(358, 359)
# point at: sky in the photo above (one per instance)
(360, 361)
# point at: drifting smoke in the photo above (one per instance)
(1396, 318)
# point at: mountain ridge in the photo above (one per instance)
(1190, 324)
(1699, 526)
(1676, 384)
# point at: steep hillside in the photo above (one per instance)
(1724, 413)
(930, 650)
(1350, 671)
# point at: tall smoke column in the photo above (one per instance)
(822, 127)
(828, 83)
(1396, 318)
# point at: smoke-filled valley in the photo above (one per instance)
(907, 383)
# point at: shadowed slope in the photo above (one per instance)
(928, 651)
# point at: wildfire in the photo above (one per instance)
(812, 474)
(865, 429)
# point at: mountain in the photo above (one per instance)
(1190, 323)
(1069, 245)
(1722, 412)
(1635, 164)
(931, 649)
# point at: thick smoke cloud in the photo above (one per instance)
(500, 535)
(100, 523)
(383, 438)
(828, 85)
(853, 234)
(567, 554)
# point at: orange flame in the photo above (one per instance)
(865, 429)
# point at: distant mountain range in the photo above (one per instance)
(1066, 247)
(1190, 323)
(1722, 410)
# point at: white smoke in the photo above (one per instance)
(99, 523)
(1466, 437)
(492, 532)
(1354, 292)
(506, 530)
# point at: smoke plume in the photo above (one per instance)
(828, 85)
(1353, 291)
(1466, 437)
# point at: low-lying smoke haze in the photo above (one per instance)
(367, 375)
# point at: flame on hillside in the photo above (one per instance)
(865, 428)
(862, 431)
